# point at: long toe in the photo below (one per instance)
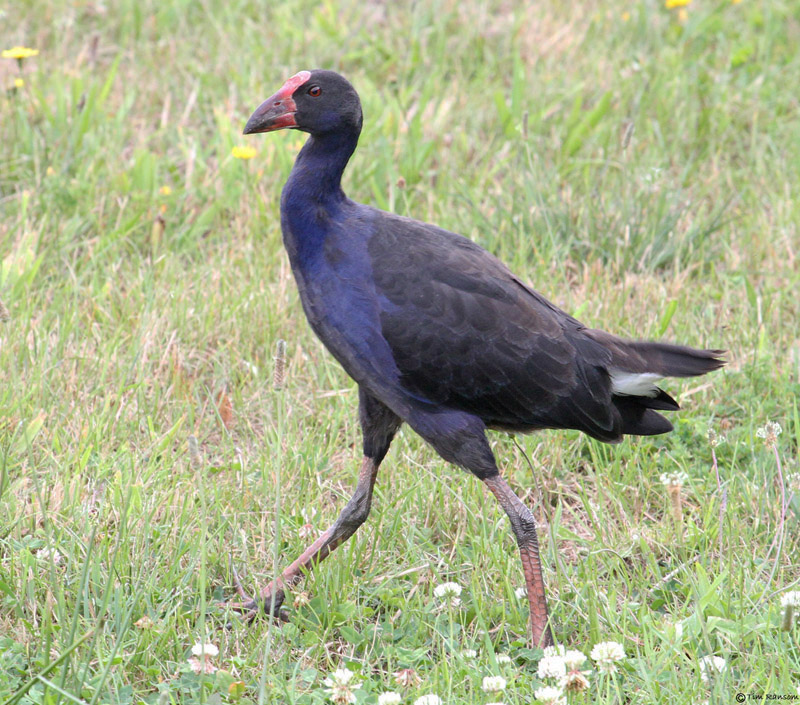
(271, 603)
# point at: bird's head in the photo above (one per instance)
(316, 101)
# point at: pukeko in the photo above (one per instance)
(439, 334)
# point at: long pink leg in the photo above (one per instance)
(524, 527)
(352, 516)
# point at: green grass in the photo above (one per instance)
(134, 311)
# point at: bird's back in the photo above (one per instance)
(467, 335)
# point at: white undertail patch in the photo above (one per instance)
(635, 384)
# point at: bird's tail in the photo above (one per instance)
(668, 360)
(635, 368)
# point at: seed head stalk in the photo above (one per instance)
(788, 618)
(780, 534)
(278, 380)
(714, 440)
(770, 435)
(676, 503)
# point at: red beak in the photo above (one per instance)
(277, 112)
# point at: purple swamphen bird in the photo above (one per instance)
(439, 334)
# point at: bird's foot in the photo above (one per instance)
(269, 601)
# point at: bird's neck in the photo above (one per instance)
(312, 197)
(316, 178)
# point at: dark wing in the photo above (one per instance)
(467, 335)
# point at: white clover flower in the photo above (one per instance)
(521, 592)
(554, 650)
(710, 666)
(341, 676)
(575, 681)
(407, 677)
(205, 650)
(307, 513)
(770, 432)
(502, 659)
(494, 684)
(495, 703)
(201, 665)
(447, 590)
(200, 662)
(50, 554)
(791, 599)
(673, 630)
(551, 667)
(429, 699)
(144, 622)
(676, 478)
(306, 531)
(448, 593)
(550, 695)
(606, 654)
(574, 659)
(390, 698)
(340, 690)
(469, 653)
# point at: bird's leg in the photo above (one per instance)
(461, 439)
(352, 516)
(378, 424)
(524, 527)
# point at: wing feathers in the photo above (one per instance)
(465, 333)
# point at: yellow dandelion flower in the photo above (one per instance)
(626, 16)
(19, 53)
(49, 171)
(18, 83)
(244, 152)
(735, 2)
(165, 190)
(683, 15)
(669, 4)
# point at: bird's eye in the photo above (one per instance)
(315, 91)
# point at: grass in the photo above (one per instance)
(638, 167)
